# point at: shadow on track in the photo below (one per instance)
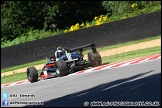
(142, 89)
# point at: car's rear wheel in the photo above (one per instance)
(32, 74)
(61, 68)
(95, 59)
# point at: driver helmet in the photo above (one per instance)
(59, 48)
(60, 51)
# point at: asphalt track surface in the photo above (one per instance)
(139, 82)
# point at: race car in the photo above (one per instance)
(72, 61)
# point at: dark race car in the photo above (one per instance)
(68, 62)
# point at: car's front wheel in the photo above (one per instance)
(32, 74)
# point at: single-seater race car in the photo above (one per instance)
(72, 61)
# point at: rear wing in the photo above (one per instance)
(92, 45)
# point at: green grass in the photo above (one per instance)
(23, 66)
(132, 54)
(108, 59)
(85, 52)
(30, 36)
(13, 78)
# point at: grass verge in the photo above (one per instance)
(108, 59)
(24, 65)
(132, 55)
(85, 52)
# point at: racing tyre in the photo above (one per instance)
(94, 59)
(32, 74)
(61, 68)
